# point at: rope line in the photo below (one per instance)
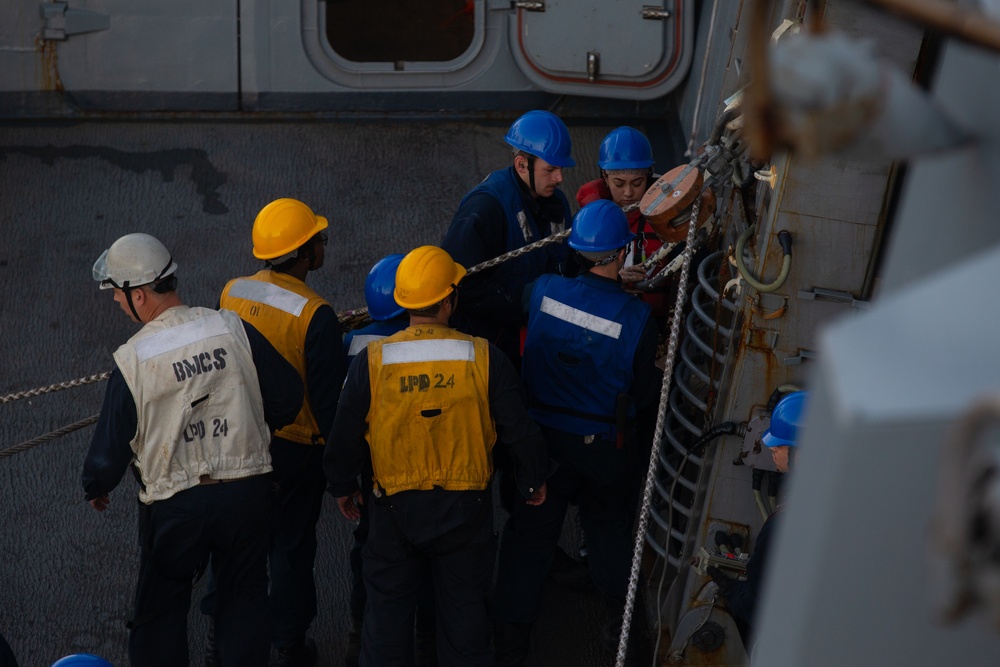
(69, 428)
(661, 415)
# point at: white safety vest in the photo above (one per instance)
(197, 399)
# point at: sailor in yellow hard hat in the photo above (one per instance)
(430, 403)
(291, 240)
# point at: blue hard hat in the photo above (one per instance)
(82, 660)
(785, 420)
(625, 148)
(600, 226)
(544, 135)
(379, 286)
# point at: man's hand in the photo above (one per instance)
(101, 503)
(349, 505)
(632, 274)
(538, 497)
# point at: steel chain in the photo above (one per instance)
(358, 315)
(55, 387)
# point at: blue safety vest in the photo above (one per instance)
(579, 352)
(522, 228)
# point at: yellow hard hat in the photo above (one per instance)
(283, 226)
(426, 276)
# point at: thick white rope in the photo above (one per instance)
(668, 371)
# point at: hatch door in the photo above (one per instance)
(606, 48)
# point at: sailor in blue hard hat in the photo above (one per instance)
(82, 660)
(742, 596)
(511, 208)
(780, 437)
(589, 365)
(388, 318)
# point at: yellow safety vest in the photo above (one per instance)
(429, 421)
(280, 307)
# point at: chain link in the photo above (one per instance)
(351, 318)
(490, 263)
(79, 382)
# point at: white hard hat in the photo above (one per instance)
(133, 260)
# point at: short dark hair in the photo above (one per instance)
(435, 308)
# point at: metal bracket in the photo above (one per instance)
(822, 294)
(593, 65)
(61, 20)
(530, 5)
(654, 12)
(803, 355)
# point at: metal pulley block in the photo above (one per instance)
(667, 203)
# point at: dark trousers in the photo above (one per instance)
(229, 521)
(7, 658)
(595, 475)
(298, 475)
(425, 599)
(449, 534)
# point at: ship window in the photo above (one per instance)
(400, 30)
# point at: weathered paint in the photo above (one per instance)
(48, 64)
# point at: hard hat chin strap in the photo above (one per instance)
(531, 173)
(310, 254)
(128, 298)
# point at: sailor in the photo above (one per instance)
(430, 402)
(291, 240)
(781, 437)
(388, 318)
(511, 208)
(625, 160)
(626, 163)
(190, 404)
(80, 660)
(588, 364)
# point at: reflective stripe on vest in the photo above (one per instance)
(359, 343)
(581, 318)
(428, 350)
(180, 336)
(272, 295)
